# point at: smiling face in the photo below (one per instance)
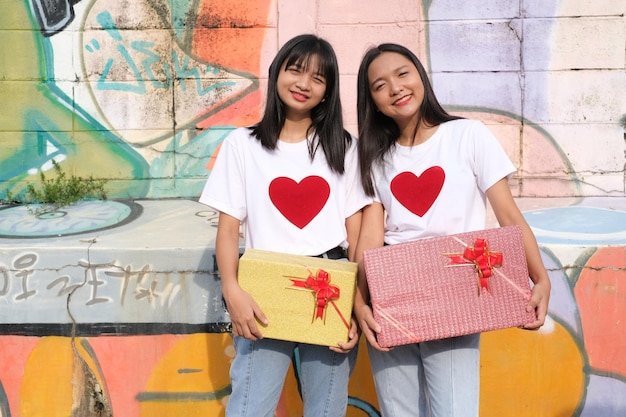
(396, 87)
(301, 87)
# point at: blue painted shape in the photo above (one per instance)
(606, 397)
(563, 305)
(81, 217)
(578, 225)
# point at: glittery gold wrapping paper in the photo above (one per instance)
(278, 283)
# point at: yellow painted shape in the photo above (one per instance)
(198, 367)
(530, 373)
(47, 383)
(191, 379)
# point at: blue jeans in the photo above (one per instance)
(258, 373)
(440, 378)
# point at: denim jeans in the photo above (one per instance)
(440, 378)
(259, 369)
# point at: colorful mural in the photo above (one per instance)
(126, 101)
(127, 319)
(114, 308)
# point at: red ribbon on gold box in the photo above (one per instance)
(305, 299)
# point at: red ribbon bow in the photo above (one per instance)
(324, 292)
(483, 260)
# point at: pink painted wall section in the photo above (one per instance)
(152, 87)
(114, 308)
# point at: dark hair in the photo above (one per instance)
(377, 132)
(327, 119)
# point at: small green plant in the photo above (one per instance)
(62, 191)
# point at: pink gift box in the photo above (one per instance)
(447, 286)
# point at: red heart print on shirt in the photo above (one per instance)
(415, 193)
(300, 201)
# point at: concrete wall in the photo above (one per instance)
(143, 92)
(115, 308)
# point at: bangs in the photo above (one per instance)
(304, 57)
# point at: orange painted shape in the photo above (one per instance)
(14, 353)
(213, 158)
(601, 297)
(528, 373)
(230, 33)
(243, 112)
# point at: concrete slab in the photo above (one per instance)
(148, 266)
(138, 267)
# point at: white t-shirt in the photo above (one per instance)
(286, 202)
(438, 187)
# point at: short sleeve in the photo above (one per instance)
(224, 190)
(491, 163)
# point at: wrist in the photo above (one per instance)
(228, 286)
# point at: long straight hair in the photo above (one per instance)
(377, 132)
(326, 117)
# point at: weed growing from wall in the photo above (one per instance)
(60, 191)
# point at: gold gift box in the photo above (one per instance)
(288, 287)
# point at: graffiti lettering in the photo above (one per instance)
(4, 275)
(126, 274)
(150, 61)
(91, 278)
(147, 285)
(63, 281)
(21, 263)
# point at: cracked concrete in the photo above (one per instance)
(89, 400)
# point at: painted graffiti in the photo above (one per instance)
(149, 58)
(110, 282)
(53, 15)
(143, 93)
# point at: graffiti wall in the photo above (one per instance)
(114, 308)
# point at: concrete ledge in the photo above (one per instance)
(148, 266)
(134, 266)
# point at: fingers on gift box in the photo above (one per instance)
(306, 299)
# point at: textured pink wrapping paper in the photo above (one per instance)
(421, 291)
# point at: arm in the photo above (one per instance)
(241, 306)
(508, 214)
(353, 225)
(371, 236)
